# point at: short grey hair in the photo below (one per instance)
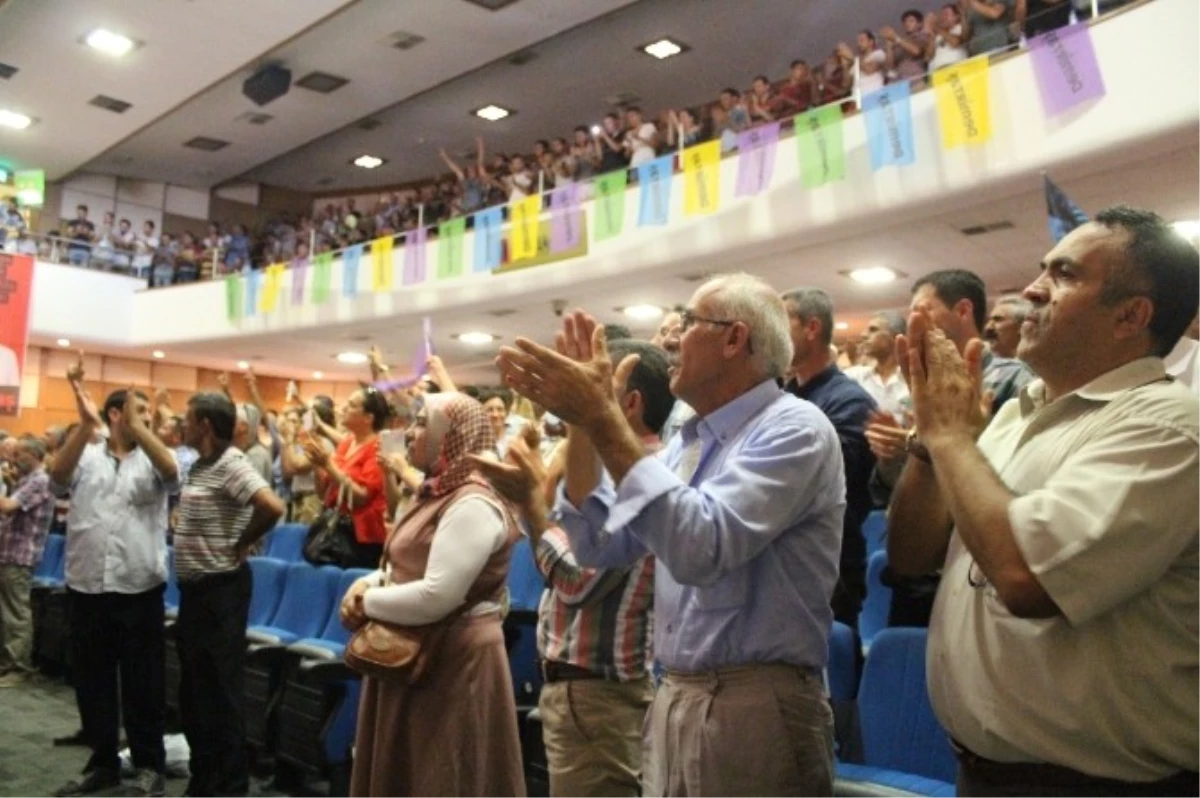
(1020, 305)
(745, 298)
(897, 323)
(813, 303)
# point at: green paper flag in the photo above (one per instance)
(822, 153)
(233, 296)
(609, 210)
(450, 248)
(322, 270)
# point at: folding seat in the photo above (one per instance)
(878, 602)
(48, 606)
(171, 594)
(903, 746)
(875, 531)
(49, 570)
(842, 674)
(287, 542)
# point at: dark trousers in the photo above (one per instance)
(211, 635)
(978, 776)
(119, 670)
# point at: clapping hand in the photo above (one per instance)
(316, 453)
(522, 474)
(88, 412)
(946, 387)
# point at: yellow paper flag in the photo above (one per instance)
(701, 178)
(381, 263)
(523, 216)
(964, 102)
(272, 284)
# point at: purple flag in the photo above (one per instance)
(424, 350)
(1064, 62)
(756, 159)
(564, 218)
(299, 278)
(414, 257)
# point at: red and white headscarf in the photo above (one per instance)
(455, 426)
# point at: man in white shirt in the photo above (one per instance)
(144, 249)
(1062, 647)
(641, 137)
(883, 380)
(116, 569)
(872, 63)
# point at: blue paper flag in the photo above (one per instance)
(350, 257)
(888, 112)
(489, 239)
(654, 177)
(253, 283)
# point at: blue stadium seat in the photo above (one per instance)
(171, 594)
(875, 531)
(50, 569)
(269, 576)
(843, 669)
(903, 745)
(525, 583)
(304, 607)
(874, 615)
(330, 643)
(287, 542)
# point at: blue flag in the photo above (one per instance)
(489, 239)
(888, 112)
(1062, 214)
(350, 257)
(253, 283)
(654, 177)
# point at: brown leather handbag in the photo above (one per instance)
(395, 653)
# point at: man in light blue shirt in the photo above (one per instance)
(743, 511)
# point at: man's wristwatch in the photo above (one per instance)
(914, 447)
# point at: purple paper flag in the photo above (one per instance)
(299, 278)
(756, 159)
(1068, 74)
(564, 218)
(420, 367)
(414, 257)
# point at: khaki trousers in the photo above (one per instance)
(16, 618)
(592, 729)
(753, 730)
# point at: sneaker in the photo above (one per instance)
(90, 782)
(148, 782)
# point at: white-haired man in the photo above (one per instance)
(743, 511)
(1003, 328)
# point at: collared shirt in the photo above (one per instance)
(117, 524)
(891, 394)
(747, 547)
(1004, 377)
(1183, 363)
(23, 533)
(214, 509)
(1105, 482)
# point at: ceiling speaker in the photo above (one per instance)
(267, 84)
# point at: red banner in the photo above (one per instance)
(16, 286)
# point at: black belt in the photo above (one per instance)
(554, 671)
(1048, 778)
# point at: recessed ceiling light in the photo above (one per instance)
(317, 375)
(158, 354)
(108, 42)
(352, 358)
(1188, 229)
(872, 275)
(663, 48)
(64, 342)
(368, 161)
(492, 113)
(243, 365)
(476, 338)
(841, 325)
(642, 312)
(14, 120)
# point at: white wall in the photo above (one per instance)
(80, 303)
(1140, 106)
(136, 200)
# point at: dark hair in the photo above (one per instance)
(763, 78)
(116, 401)
(503, 394)
(733, 92)
(375, 403)
(125, 221)
(953, 7)
(637, 109)
(545, 144)
(613, 116)
(868, 34)
(322, 405)
(1158, 264)
(953, 285)
(616, 332)
(813, 303)
(83, 208)
(912, 12)
(472, 391)
(34, 447)
(650, 378)
(218, 411)
(582, 129)
(799, 62)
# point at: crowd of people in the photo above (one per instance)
(923, 42)
(694, 503)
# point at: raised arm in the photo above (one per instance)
(66, 459)
(162, 458)
(451, 164)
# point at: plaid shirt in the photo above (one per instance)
(23, 533)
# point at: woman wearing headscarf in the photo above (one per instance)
(455, 731)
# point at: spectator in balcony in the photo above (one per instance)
(683, 129)
(11, 223)
(1003, 328)
(27, 244)
(837, 75)
(102, 252)
(988, 22)
(608, 141)
(214, 239)
(564, 166)
(124, 241)
(187, 261)
(144, 249)
(586, 153)
(872, 63)
(237, 249)
(762, 102)
(471, 185)
(162, 266)
(906, 58)
(81, 233)
(641, 137)
(735, 108)
(1042, 16)
(519, 182)
(799, 93)
(948, 45)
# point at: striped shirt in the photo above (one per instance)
(214, 509)
(23, 532)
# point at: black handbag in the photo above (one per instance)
(330, 539)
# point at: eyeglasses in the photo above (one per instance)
(688, 319)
